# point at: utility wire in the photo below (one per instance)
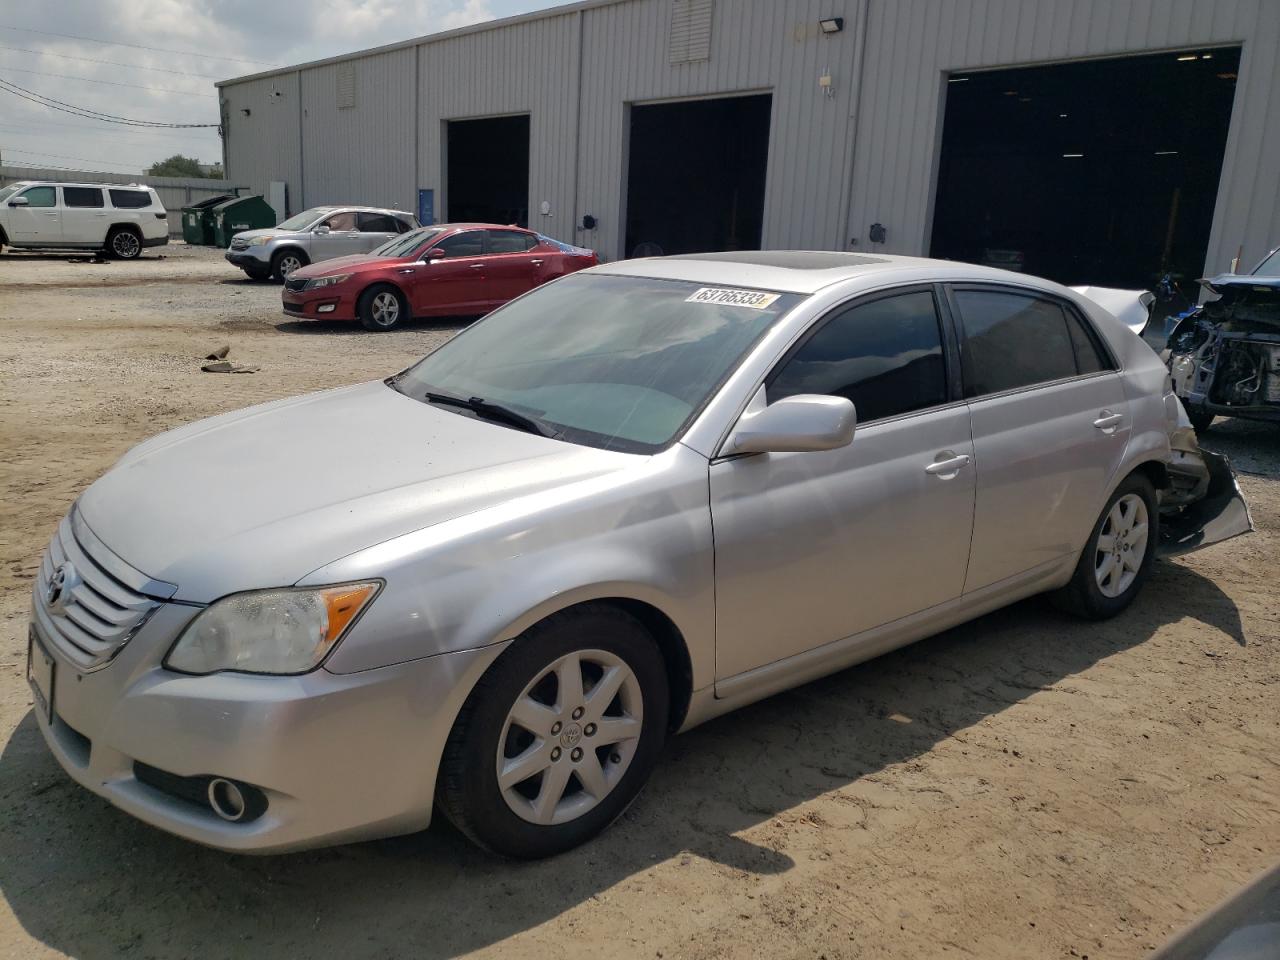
(111, 63)
(22, 92)
(139, 46)
(112, 83)
(63, 156)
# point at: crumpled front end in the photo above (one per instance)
(1202, 504)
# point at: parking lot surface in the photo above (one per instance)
(1026, 785)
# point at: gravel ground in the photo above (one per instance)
(1022, 786)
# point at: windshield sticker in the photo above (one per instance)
(753, 299)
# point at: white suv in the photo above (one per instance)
(118, 218)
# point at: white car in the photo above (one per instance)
(116, 217)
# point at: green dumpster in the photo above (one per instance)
(197, 224)
(240, 213)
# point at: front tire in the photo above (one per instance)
(382, 308)
(287, 261)
(1117, 559)
(559, 736)
(124, 243)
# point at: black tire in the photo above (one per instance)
(372, 308)
(1083, 596)
(264, 274)
(124, 243)
(281, 260)
(467, 790)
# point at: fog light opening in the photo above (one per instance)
(227, 800)
(327, 308)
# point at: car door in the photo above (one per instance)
(375, 229)
(454, 284)
(1050, 425)
(342, 239)
(511, 268)
(39, 220)
(84, 215)
(815, 547)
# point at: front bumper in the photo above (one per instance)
(325, 304)
(340, 757)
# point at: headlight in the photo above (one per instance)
(259, 241)
(319, 282)
(269, 631)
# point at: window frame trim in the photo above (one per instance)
(946, 334)
(991, 286)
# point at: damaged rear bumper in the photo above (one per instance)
(1218, 513)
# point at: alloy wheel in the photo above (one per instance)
(385, 309)
(288, 264)
(570, 737)
(1122, 545)
(125, 244)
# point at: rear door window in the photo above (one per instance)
(511, 241)
(129, 199)
(82, 196)
(378, 223)
(1090, 356)
(885, 355)
(1012, 340)
(41, 197)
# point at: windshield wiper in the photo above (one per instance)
(496, 412)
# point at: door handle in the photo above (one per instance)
(948, 466)
(1108, 421)
(536, 263)
(477, 266)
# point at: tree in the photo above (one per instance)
(180, 166)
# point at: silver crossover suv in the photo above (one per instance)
(321, 233)
(635, 498)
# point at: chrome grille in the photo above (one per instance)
(299, 284)
(238, 244)
(100, 601)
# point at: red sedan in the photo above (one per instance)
(450, 269)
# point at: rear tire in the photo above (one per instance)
(382, 308)
(1117, 559)
(287, 261)
(124, 243)
(566, 783)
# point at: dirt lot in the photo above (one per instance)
(1023, 786)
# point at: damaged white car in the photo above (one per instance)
(1225, 357)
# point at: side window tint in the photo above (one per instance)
(341, 221)
(1012, 340)
(510, 241)
(82, 196)
(885, 356)
(1090, 357)
(41, 196)
(377, 223)
(130, 199)
(470, 244)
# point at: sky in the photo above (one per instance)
(157, 60)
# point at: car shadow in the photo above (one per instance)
(87, 880)
(330, 327)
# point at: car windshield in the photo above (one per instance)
(304, 219)
(406, 244)
(620, 363)
(1269, 267)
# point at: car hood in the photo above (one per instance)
(263, 496)
(352, 263)
(263, 232)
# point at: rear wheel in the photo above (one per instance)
(287, 261)
(382, 308)
(124, 243)
(1117, 559)
(557, 739)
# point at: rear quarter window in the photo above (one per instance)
(130, 199)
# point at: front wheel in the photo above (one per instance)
(382, 308)
(287, 261)
(559, 736)
(1117, 559)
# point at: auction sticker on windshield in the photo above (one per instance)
(733, 298)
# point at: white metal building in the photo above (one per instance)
(1102, 140)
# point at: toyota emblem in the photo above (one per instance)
(63, 581)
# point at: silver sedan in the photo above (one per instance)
(627, 502)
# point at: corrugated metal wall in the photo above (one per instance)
(913, 44)
(836, 164)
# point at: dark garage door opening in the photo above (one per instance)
(1101, 172)
(488, 170)
(695, 177)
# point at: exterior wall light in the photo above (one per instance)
(831, 25)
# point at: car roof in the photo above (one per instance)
(78, 183)
(808, 271)
(329, 208)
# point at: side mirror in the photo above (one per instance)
(321, 230)
(19, 202)
(799, 424)
(437, 253)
